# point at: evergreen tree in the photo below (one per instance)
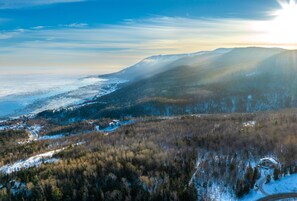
(276, 173)
(256, 176)
(249, 176)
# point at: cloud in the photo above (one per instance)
(15, 4)
(113, 47)
(38, 27)
(5, 35)
(75, 25)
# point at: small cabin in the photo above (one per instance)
(269, 163)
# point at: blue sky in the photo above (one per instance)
(100, 36)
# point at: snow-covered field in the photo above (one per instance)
(287, 184)
(33, 161)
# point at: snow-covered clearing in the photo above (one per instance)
(218, 193)
(287, 184)
(33, 161)
(114, 127)
(34, 131)
(249, 124)
(51, 137)
(252, 196)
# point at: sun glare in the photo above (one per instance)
(283, 27)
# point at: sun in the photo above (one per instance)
(283, 26)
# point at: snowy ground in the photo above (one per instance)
(33, 161)
(111, 129)
(287, 184)
(51, 137)
(34, 132)
(219, 194)
(249, 124)
(17, 126)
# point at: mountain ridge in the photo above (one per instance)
(239, 80)
(165, 62)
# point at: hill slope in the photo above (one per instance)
(237, 80)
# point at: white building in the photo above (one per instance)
(269, 163)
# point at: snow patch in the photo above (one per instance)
(287, 184)
(2, 128)
(253, 195)
(34, 161)
(249, 124)
(116, 124)
(219, 193)
(51, 137)
(34, 131)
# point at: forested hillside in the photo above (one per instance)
(237, 80)
(156, 158)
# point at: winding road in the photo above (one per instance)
(261, 182)
(279, 197)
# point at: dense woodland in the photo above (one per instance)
(154, 158)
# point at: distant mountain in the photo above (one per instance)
(224, 80)
(154, 65)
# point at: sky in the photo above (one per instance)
(103, 36)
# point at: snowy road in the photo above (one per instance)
(261, 183)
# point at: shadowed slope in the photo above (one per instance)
(240, 80)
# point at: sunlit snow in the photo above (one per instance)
(33, 161)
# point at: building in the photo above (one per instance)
(114, 123)
(269, 163)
